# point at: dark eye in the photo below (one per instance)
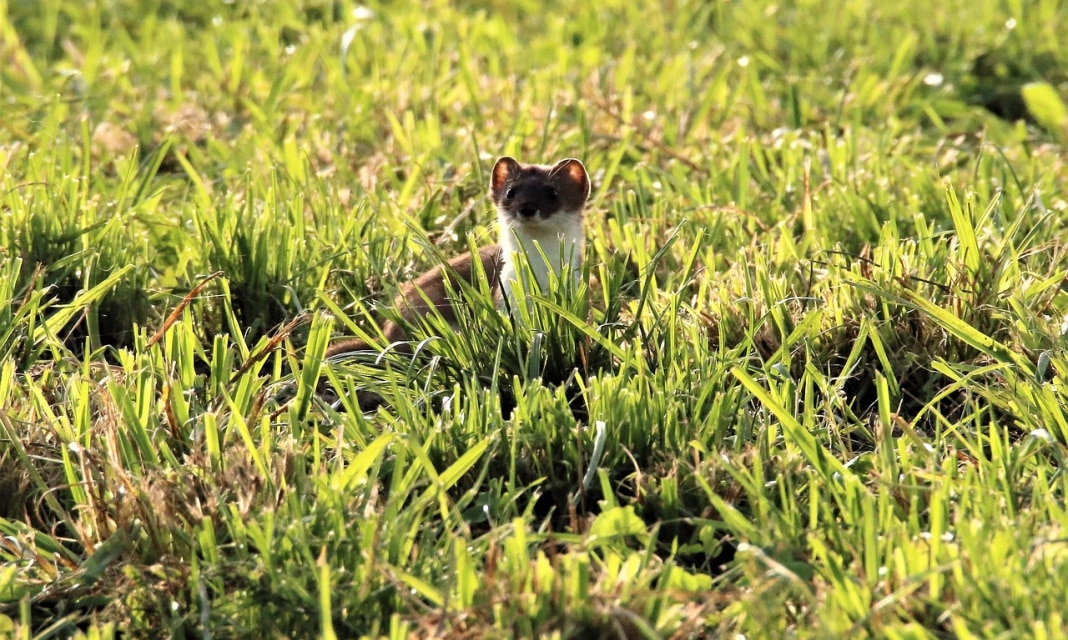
(509, 194)
(553, 195)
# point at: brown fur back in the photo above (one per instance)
(412, 305)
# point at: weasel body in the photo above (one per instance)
(539, 212)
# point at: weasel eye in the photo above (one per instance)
(553, 194)
(509, 194)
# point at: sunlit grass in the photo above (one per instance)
(813, 383)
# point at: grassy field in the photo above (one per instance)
(817, 386)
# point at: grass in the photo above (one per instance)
(816, 387)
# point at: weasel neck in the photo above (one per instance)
(553, 249)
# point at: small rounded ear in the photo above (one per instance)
(572, 171)
(504, 169)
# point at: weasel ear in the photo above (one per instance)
(574, 174)
(504, 169)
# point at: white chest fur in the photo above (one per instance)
(552, 246)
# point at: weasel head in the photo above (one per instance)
(540, 200)
(539, 211)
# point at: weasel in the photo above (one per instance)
(539, 215)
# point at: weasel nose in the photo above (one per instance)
(528, 211)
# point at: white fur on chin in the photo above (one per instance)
(558, 237)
